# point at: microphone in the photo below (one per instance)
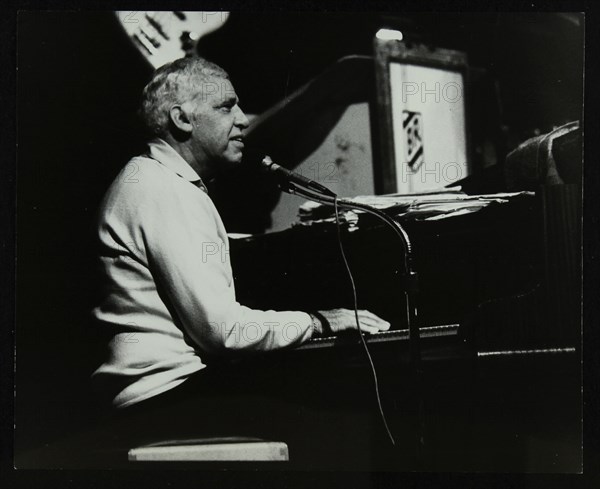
(285, 177)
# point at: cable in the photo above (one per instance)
(413, 330)
(360, 333)
(411, 275)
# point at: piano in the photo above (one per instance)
(499, 364)
(499, 385)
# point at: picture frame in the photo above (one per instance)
(419, 91)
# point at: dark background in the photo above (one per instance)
(78, 85)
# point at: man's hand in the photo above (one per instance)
(343, 319)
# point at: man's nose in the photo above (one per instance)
(240, 118)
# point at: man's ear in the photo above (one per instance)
(181, 118)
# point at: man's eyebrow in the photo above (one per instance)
(231, 99)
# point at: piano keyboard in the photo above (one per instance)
(443, 331)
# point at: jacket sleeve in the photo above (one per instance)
(189, 260)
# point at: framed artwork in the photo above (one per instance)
(421, 138)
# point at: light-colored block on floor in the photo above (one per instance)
(211, 450)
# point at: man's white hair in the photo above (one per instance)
(175, 83)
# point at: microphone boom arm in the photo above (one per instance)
(410, 293)
(411, 276)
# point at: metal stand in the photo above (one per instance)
(410, 291)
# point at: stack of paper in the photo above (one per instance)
(418, 207)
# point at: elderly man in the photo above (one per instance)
(168, 306)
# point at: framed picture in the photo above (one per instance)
(421, 135)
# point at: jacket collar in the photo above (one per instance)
(164, 153)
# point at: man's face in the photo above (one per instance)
(218, 125)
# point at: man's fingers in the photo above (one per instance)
(371, 319)
(367, 314)
(341, 319)
(377, 326)
(368, 329)
(383, 325)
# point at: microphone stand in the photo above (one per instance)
(410, 292)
